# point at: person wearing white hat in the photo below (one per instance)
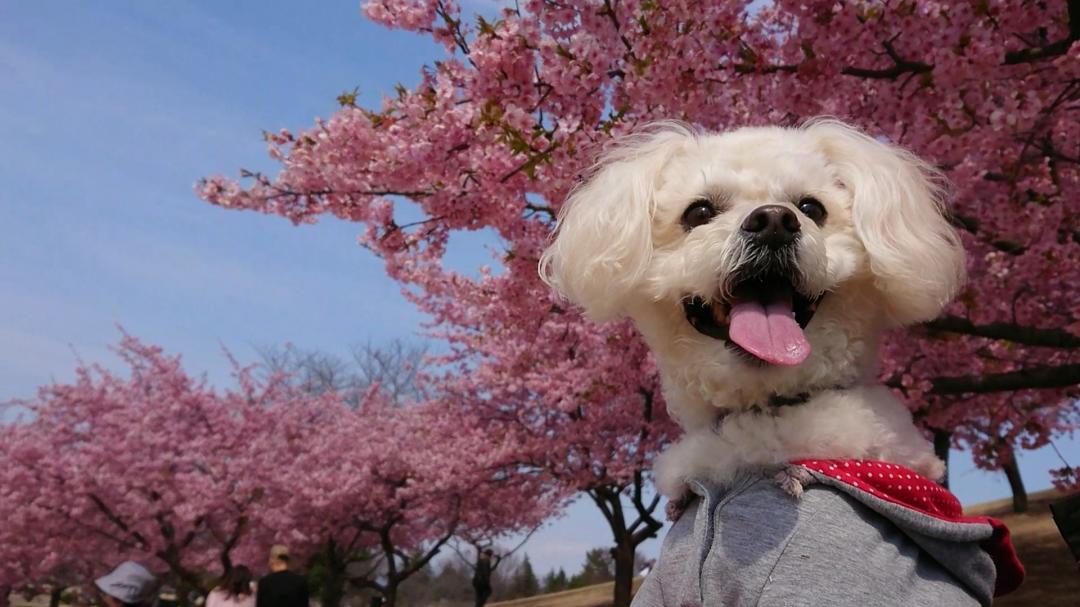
(129, 585)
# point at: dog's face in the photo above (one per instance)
(761, 261)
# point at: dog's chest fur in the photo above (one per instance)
(862, 422)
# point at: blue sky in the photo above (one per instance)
(112, 110)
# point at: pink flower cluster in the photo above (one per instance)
(160, 467)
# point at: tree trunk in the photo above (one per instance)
(390, 594)
(333, 589)
(226, 564)
(183, 593)
(1016, 483)
(942, 443)
(627, 536)
(624, 571)
(54, 596)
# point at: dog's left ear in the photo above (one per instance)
(898, 211)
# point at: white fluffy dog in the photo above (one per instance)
(762, 266)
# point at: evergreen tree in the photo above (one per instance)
(555, 581)
(562, 580)
(559, 581)
(525, 582)
(547, 584)
(599, 567)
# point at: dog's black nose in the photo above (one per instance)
(772, 225)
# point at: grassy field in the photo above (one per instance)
(1053, 580)
(590, 596)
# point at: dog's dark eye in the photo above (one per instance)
(812, 208)
(699, 213)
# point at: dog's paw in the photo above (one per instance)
(792, 479)
(933, 468)
(926, 464)
(676, 507)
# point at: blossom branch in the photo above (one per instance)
(1054, 49)
(1031, 378)
(1032, 336)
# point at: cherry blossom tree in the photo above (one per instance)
(378, 499)
(156, 466)
(995, 429)
(497, 131)
(26, 565)
(159, 466)
(384, 488)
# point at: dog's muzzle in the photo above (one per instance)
(764, 315)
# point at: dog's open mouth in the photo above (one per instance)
(764, 318)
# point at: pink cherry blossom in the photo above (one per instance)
(160, 467)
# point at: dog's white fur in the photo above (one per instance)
(885, 257)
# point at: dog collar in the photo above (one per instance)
(774, 403)
(777, 401)
(780, 400)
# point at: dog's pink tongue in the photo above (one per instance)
(769, 332)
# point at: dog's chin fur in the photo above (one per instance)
(884, 256)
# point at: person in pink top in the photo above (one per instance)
(235, 590)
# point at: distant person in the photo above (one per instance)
(481, 579)
(281, 587)
(129, 585)
(235, 590)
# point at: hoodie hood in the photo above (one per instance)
(977, 550)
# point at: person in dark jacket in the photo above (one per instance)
(281, 587)
(482, 577)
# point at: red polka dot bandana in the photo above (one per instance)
(892, 483)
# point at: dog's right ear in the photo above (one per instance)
(603, 242)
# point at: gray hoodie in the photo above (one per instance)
(847, 541)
